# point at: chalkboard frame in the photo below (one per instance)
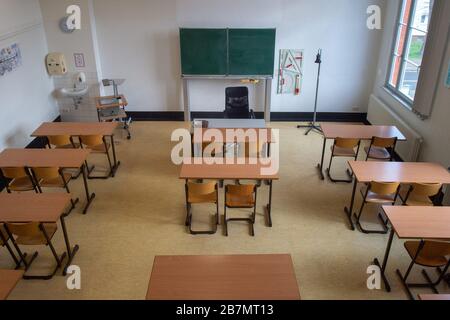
(227, 74)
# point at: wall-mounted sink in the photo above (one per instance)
(73, 92)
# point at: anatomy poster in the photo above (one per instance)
(10, 59)
(290, 73)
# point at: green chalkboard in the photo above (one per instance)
(233, 52)
(204, 51)
(251, 51)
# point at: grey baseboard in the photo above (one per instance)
(275, 116)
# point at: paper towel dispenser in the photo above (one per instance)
(56, 64)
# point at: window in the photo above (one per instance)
(406, 58)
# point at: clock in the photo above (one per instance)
(63, 25)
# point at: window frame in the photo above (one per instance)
(394, 90)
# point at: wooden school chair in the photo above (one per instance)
(98, 145)
(215, 145)
(53, 177)
(4, 238)
(61, 142)
(20, 180)
(344, 148)
(381, 149)
(201, 193)
(379, 193)
(34, 234)
(431, 254)
(251, 150)
(240, 197)
(420, 194)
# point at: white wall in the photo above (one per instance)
(25, 93)
(80, 41)
(138, 40)
(434, 130)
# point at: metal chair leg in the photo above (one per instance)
(194, 232)
(225, 220)
(367, 231)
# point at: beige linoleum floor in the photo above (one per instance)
(140, 213)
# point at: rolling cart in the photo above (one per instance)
(112, 108)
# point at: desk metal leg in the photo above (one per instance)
(320, 166)
(269, 206)
(385, 261)
(89, 197)
(349, 211)
(116, 163)
(71, 252)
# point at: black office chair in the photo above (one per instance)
(237, 104)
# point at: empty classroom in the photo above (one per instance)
(207, 150)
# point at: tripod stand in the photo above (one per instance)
(312, 125)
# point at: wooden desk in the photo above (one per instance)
(234, 123)
(8, 281)
(62, 158)
(432, 223)
(402, 172)
(265, 132)
(238, 277)
(230, 172)
(434, 297)
(43, 208)
(352, 131)
(76, 129)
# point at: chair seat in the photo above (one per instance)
(419, 201)
(208, 198)
(56, 182)
(50, 228)
(432, 255)
(68, 146)
(377, 198)
(343, 152)
(378, 153)
(101, 148)
(21, 184)
(239, 201)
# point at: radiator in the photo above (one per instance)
(380, 114)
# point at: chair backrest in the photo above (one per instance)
(30, 229)
(384, 142)
(3, 235)
(426, 189)
(92, 141)
(215, 145)
(59, 141)
(346, 143)
(240, 190)
(14, 173)
(201, 189)
(46, 173)
(384, 188)
(249, 149)
(237, 101)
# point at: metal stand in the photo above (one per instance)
(115, 83)
(312, 125)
